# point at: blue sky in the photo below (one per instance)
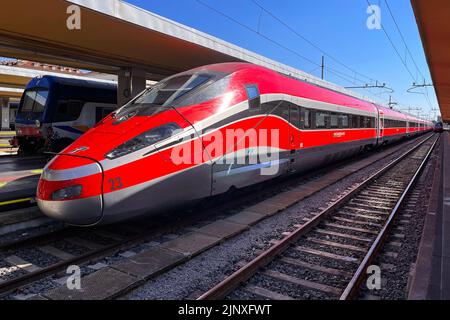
(338, 27)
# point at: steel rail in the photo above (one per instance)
(355, 283)
(230, 283)
(10, 285)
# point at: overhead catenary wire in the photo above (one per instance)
(316, 64)
(397, 50)
(287, 26)
(409, 51)
(403, 39)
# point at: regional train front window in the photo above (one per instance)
(34, 101)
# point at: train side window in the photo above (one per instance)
(344, 120)
(68, 111)
(282, 110)
(254, 99)
(307, 119)
(357, 122)
(313, 118)
(350, 121)
(334, 123)
(366, 122)
(322, 119)
(362, 121)
(294, 115)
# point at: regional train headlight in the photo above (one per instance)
(144, 140)
(67, 193)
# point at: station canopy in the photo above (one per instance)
(114, 35)
(433, 20)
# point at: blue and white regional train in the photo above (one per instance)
(55, 111)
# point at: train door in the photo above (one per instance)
(380, 128)
(294, 136)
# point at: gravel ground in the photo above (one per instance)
(204, 271)
(324, 262)
(339, 251)
(36, 257)
(310, 275)
(92, 237)
(44, 285)
(68, 247)
(395, 282)
(30, 232)
(8, 272)
(332, 238)
(288, 289)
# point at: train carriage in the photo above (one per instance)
(55, 111)
(202, 132)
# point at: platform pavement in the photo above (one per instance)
(19, 177)
(431, 279)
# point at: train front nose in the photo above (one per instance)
(72, 194)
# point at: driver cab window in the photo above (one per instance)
(68, 111)
(34, 100)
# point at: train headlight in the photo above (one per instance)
(144, 140)
(67, 193)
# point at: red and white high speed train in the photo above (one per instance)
(173, 143)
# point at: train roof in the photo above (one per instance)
(47, 81)
(349, 100)
(387, 112)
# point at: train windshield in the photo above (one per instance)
(177, 91)
(166, 92)
(34, 100)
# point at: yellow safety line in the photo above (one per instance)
(3, 183)
(37, 171)
(5, 203)
(8, 133)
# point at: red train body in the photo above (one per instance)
(204, 131)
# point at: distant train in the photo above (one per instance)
(438, 127)
(234, 117)
(55, 111)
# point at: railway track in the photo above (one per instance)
(82, 246)
(327, 256)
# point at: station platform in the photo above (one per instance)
(18, 178)
(5, 146)
(431, 278)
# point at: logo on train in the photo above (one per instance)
(234, 147)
